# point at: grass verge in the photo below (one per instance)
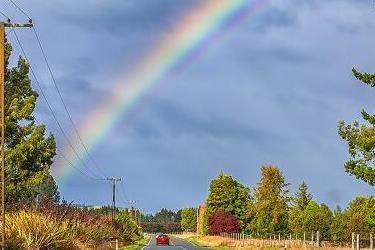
(139, 244)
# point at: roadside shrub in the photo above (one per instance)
(129, 229)
(34, 231)
(222, 221)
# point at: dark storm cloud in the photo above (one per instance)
(174, 120)
(125, 16)
(270, 91)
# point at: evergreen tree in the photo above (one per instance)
(29, 152)
(361, 140)
(302, 197)
(228, 194)
(269, 211)
(300, 202)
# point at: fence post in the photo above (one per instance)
(317, 238)
(371, 241)
(353, 242)
(358, 245)
(304, 237)
(312, 238)
(116, 244)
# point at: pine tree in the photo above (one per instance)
(361, 140)
(29, 152)
(300, 202)
(302, 197)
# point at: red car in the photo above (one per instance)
(162, 239)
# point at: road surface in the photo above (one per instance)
(175, 244)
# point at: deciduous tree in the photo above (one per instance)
(189, 219)
(228, 194)
(269, 211)
(222, 221)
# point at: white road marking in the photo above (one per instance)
(182, 247)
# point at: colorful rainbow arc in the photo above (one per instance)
(200, 27)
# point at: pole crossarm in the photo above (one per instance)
(18, 25)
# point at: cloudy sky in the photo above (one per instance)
(269, 91)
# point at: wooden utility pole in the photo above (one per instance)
(131, 209)
(2, 118)
(113, 179)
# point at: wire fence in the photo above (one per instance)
(292, 241)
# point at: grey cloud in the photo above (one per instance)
(127, 17)
(271, 90)
(172, 119)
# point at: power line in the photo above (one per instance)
(49, 106)
(4, 15)
(57, 88)
(20, 9)
(45, 98)
(63, 102)
(69, 162)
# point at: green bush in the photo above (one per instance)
(129, 230)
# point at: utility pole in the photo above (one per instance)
(113, 179)
(3, 25)
(131, 208)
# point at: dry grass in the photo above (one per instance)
(218, 242)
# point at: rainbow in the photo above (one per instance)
(190, 37)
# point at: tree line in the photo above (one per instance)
(269, 208)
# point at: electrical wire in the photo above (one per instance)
(50, 107)
(63, 102)
(57, 89)
(68, 161)
(4, 15)
(20, 9)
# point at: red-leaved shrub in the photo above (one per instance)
(222, 221)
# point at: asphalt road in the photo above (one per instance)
(175, 243)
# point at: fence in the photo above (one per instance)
(313, 239)
(272, 240)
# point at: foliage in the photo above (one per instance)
(202, 227)
(318, 218)
(189, 219)
(130, 231)
(302, 197)
(178, 216)
(361, 215)
(361, 140)
(227, 193)
(33, 231)
(296, 212)
(29, 151)
(339, 231)
(222, 221)
(138, 245)
(157, 227)
(269, 211)
(164, 221)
